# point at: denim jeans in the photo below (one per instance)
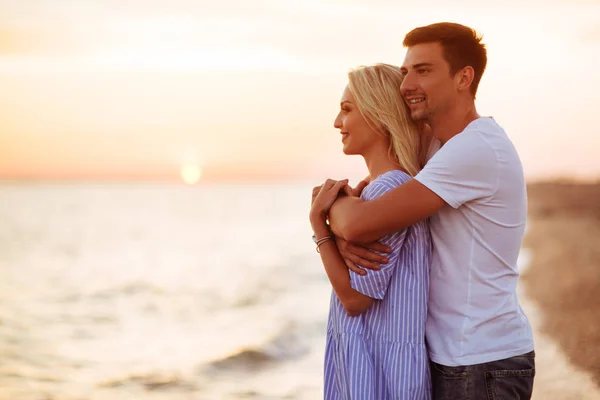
(507, 379)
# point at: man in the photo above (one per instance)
(473, 190)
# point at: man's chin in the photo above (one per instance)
(418, 116)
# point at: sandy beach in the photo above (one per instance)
(559, 288)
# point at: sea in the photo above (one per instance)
(158, 291)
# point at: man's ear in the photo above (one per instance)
(465, 78)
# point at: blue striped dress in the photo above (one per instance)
(381, 353)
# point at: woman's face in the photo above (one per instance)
(357, 135)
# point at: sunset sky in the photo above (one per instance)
(132, 89)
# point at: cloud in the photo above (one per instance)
(581, 2)
(14, 41)
(591, 34)
(43, 40)
(191, 34)
(158, 35)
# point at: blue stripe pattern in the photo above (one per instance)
(381, 353)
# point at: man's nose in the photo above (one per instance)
(408, 83)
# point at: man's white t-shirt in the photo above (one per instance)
(474, 313)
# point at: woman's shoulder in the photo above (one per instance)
(393, 178)
(385, 182)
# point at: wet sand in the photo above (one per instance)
(561, 288)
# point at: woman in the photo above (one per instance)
(376, 330)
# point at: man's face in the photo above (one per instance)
(428, 87)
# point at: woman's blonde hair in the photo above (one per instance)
(376, 90)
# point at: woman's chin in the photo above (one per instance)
(348, 151)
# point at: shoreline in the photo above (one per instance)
(558, 288)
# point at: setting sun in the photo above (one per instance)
(191, 173)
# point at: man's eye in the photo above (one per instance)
(423, 70)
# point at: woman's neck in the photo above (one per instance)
(378, 162)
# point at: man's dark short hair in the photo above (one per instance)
(462, 46)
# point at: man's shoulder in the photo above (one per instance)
(483, 141)
(487, 130)
(473, 143)
(493, 135)
(484, 125)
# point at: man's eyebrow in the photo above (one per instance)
(421, 65)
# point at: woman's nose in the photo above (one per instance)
(337, 123)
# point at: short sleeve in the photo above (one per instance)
(465, 169)
(375, 283)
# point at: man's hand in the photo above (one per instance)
(366, 257)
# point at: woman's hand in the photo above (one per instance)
(349, 190)
(325, 195)
(359, 188)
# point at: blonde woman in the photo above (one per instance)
(376, 328)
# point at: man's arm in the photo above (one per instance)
(361, 221)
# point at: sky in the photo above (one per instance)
(132, 89)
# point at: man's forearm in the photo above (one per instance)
(342, 215)
(364, 222)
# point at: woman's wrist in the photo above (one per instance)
(317, 217)
(320, 227)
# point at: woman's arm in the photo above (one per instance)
(353, 301)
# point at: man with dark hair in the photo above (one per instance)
(461, 46)
(473, 190)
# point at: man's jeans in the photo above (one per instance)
(507, 379)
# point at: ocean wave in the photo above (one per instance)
(152, 382)
(130, 289)
(287, 345)
(244, 360)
